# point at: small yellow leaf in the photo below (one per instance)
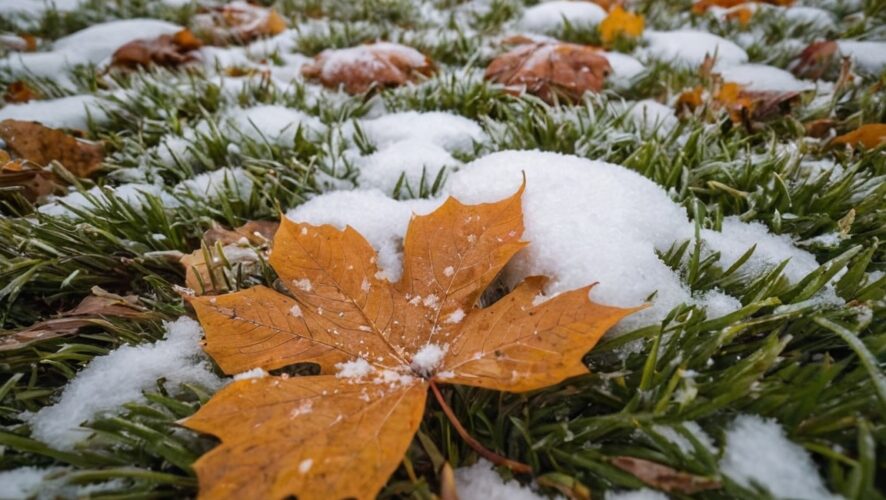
(620, 23)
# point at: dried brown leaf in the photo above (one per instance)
(663, 477)
(165, 50)
(551, 71)
(367, 67)
(41, 145)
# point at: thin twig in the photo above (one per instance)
(495, 458)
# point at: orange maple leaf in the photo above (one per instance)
(379, 346)
(620, 23)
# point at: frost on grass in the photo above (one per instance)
(688, 48)
(46, 483)
(758, 453)
(178, 359)
(550, 17)
(481, 482)
(273, 124)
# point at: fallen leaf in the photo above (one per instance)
(816, 59)
(237, 22)
(820, 128)
(19, 91)
(165, 50)
(366, 67)
(31, 181)
(551, 71)
(620, 23)
(41, 145)
(91, 311)
(741, 14)
(869, 136)
(689, 100)
(663, 477)
(379, 347)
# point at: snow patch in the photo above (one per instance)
(759, 453)
(178, 358)
(762, 77)
(449, 131)
(548, 17)
(481, 482)
(869, 56)
(65, 112)
(689, 47)
(428, 358)
(353, 369)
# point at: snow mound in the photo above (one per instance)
(649, 115)
(451, 132)
(587, 221)
(65, 112)
(762, 77)
(869, 56)
(689, 47)
(481, 482)
(549, 16)
(409, 157)
(759, 453)
(178, 358)
(624, 68)
(644, 494)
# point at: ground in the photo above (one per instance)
(752, 237)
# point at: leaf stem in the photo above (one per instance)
(495, 458)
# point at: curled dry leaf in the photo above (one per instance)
(869, 136)
(227, 253)
(551, 71)
(620, 23)
(237, 22)
(663, 477)
(819, 128)
(41, 145)
(31, 181)
(743, 106)
(91, 311)
(816, 60)
(379, 346)
(19, 91)
(366, 67)
(165, 50)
